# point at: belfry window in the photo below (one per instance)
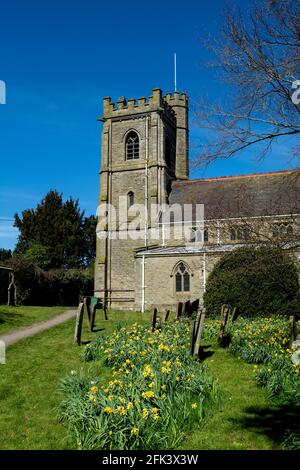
(130, 199)
(132, 146)
(182, 279)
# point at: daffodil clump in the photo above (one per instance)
(156, 391)
(257, 340)
(265, 342)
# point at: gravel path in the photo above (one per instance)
(22, 333)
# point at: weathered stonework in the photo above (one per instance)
(138, 274)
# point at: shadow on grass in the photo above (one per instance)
(203, 354)
(274, 421)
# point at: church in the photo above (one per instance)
(145, 164)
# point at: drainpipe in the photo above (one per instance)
(109, 213)
(146, 183)
(204, 271)
(143, 284)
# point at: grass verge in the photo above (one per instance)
(29, 396)
(12, 318)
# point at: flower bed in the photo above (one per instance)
(265, 342)
(156, 392)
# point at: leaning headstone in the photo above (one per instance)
(96, 304)
(78, 326)
(227, 318)
(225, 315)
(199, 333)
(186, 312)
(86, 302)
(179, 310)
(194, 333)
(194, 306)
(166, 316)
(234, 314)
(154, 319)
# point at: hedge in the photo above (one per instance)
(54, 287)
(258, 281)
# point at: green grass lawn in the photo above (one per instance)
(29, 395)
(243, 418)
(12, 318)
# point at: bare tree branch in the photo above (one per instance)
(258, 55)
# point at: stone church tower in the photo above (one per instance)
(144, 149)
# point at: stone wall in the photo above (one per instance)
(160, 279)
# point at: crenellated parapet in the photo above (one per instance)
(156, 102)
(177, 99)
(166, 117)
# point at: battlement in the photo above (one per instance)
(156, 102)
(177, 99)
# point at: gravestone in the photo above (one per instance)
(234, 315)
(186, 312)
(166, 316)
(179, 310)
(78, 326)
(154, 319)
(225, 316)
(194, 306)
(96, 304)
(199, 330)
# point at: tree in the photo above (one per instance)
(5, 255)
(258, 57)
(258, 281)
(39, 255)
(56, 233)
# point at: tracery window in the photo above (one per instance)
(182, 279)
(132, 146)
(130, 199)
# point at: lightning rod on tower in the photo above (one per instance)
(175, 72)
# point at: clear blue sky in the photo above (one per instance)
(59, 58)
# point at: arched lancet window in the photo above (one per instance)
(205, 235)
(132, 146)
(246, 233)
(232, 234)
(182, 279)
(289, 230)
(240, 233)
(130, 199)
